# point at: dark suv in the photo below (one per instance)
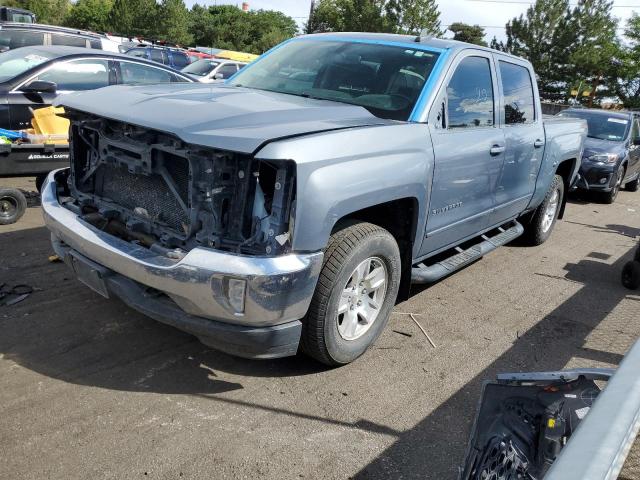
(16, 35)
(611, 158)
(172, 57)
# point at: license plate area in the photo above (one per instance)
(90, 273)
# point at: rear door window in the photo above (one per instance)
(517, 89)
(180, 60)
(132, 73)
(227, 70)
(68, 40)
(158, 55)
(470, 100)
(78, 75)
(10, 39)
(137, 52)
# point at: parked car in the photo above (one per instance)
(16, 35)
(295, 204)
(195, 55)
(172, 57)
(611, 158)
(213, 70)
(18, 15)
(32, 77)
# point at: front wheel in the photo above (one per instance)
(539, 228)
(610, 196)
(356, 291)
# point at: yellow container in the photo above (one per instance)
(47, 123)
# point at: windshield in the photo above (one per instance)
(201, 67)
(601, 125)
(386, 80)
(18, 61)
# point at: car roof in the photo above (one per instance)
(48, 28)
(391, 38)
(70, 52)
(599, 111)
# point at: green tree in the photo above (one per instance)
(134, 18)
(230, 28)
(625, 84)
(396, 16)
(417, 16)
(90, 15)
(173, 22)
(595, 48)
(543, 36)
(468, 33)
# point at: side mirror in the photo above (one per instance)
(39, 86)
(636, 141)
(218, 76)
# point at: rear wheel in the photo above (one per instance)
(539, 228)
(40, 181)
(631, 275)
(356, 291)
(610, 197)
(632, 186)
(13, 204)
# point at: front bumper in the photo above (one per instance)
(192, 294)
(594, 174)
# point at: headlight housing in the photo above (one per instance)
(603, 158)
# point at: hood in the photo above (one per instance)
(594, 146)
(229, 118)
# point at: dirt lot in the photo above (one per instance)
(92, 389)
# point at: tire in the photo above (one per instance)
(631, 275)
(335, 338)
(12, 205)
(544, 218)
(610, 197)
(40, 180)
(633, 185)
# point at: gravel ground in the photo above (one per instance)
(91, 389)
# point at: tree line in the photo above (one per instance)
(225, 26)
(578, 49)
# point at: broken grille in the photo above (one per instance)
(149, 196)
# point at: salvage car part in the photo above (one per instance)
(525, 420)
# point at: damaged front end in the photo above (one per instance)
(153, 189)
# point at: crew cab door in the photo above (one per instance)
(468, 148)
(521, 123)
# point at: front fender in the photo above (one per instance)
(344, 171)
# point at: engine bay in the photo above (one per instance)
(153, 189)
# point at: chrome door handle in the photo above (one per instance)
(538, 143)
(497, 150)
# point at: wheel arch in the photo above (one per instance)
(566, 169)
(400, 218)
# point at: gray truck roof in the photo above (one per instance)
(441, 43)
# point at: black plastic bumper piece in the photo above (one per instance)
(242, 341)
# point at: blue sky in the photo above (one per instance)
(491, 14)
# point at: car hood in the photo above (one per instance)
(594, 146)
(229, 118)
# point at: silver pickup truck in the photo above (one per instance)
(291, 207)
